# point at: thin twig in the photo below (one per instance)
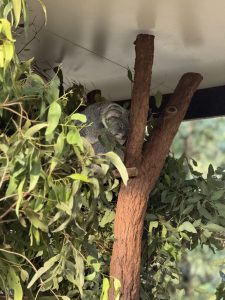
(8, 221)
(5, 171)
(31, 40)
(21, 255)
(8, 211)
(7, 197)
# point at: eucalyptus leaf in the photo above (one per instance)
(54, 114)
(14, 283)
(79, 117)
(217, 195)
(34, 129)
(59, 144)
(117, 287)
(20, 196)
(108, 217)
(117, 162)
(47, 265)
(105, 289)
(187, 226)
(34, 218)
(17, 10)
(214, 227)
(34, 173)
(158, 99)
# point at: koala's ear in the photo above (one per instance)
(113, 110)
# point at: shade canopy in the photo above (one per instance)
(93, 40)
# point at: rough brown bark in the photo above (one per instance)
(132, 200)
(144, 47)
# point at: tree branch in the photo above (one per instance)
(144, 47)
(156, 149)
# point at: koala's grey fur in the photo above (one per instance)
(106, 117)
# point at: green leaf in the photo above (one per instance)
(108, 217)
(153, 224)
(62, 225)
(54, 114)
(210, 171)
(58, 147)
(84, 178)
(34, 129)
(11, 186)
(220, 208)
(130, 75)
(14, 283)
(5, 28)
(164, 231)
(53, 164)
(16, 10)
(214, 227)
(79, 117)
(8, 52)
(47, 265)
(188, 209)
(91, 276)
(35, 220)
(20, 195)
(36, 235)
(44, 10)
(197, 223)
(25, 16)
(95, 186)
(194, 199)
(167, 179)
(117, 162)
(217, 195)
(204, 212)
(187, 226)
(158, 99)
(79, 271)
(73, 137)
(194, 162)
(80, 177)
(117, 287)
(93, 263)
(4, 148)
(55, 218)
(24, 275)
(35, 172)
(7, 10)
(105, 289)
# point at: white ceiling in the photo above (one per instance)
(93, 39)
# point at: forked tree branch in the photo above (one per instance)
(132, 199)
(157, 148)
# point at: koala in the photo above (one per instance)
(108, 129)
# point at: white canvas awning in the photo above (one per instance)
(93, 39)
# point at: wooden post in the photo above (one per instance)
(132, 199)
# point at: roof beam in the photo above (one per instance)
(206, 103)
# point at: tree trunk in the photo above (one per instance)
(149, 160)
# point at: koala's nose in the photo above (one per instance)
(121, 138)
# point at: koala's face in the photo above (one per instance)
(117, 127)
(115, 119)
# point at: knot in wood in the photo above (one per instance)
(171, 110)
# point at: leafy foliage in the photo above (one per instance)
(186, 210)
(193, 137)
(55, 193)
